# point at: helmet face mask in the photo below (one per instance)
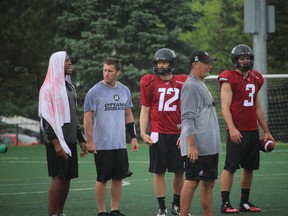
(246, 67)
(164, 55)
(242, 50)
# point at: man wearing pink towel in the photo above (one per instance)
(57, 112)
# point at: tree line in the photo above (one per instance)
(31, 30)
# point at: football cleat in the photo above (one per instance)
(162, 212)
(175, 210)
(116, 213)
(103, 214)
(226, 208)
(248, 207)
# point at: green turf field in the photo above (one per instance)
(24, 184)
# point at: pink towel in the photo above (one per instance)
(53, 99)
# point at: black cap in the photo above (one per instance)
(202, 56)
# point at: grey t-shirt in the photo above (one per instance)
(108, 105)
(198, 117)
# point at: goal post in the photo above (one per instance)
(274, 100)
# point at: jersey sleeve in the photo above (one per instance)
(129, 103)
(259, 78)
(184, 77)
(145, 89)
(223, 77)
(89, 102)
(189, 107)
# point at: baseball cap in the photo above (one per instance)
(202, 56)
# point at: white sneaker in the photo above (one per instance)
(162, 212)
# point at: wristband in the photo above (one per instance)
(131, 129)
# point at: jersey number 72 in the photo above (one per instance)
(166, 105)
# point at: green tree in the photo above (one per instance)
(131, 30)
(90, 30)
(219, 29)
(26, 33)
(277, 43)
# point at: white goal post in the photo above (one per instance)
(274, 100)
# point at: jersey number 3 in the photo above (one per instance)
(166, 105)
(251, 89)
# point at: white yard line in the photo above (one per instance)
(124, 183)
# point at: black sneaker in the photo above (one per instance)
(248, 207)
(175, 210)
(115, 213)
(226, 208)
(103, 214)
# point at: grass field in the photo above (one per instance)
(24, 184)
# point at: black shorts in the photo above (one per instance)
(205, 168)
(112, 164)
(245, 154)
(58, 166)
(165, 155)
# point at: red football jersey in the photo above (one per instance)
(245, 90)
(163, 98)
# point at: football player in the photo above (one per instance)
(160, 102)
(242, 112)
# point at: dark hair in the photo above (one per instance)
(113, 61)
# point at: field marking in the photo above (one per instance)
(88, 162)
(124, 183)
(24, 162)
(44, 162)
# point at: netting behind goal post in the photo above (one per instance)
(274, 100)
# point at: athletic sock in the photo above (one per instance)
(161, 202)
(176, 200)
(225, 197)
(245, 195)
